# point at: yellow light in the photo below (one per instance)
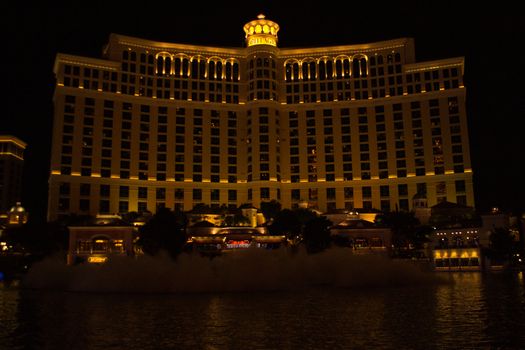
(13, 140)
(55, 172)
(97, 259)
(11, 154)
(262, 40)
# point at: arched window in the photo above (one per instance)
(219, 70)
(329, 69)
(338, 69)
(364, 68)
(288, 72)
(185, 67)
(202, 69)
(295, 71)
(355, 68)
(360, 66)
(167, 66)
(195, 68)
(160, 65)
(304, 70)
(236, 76)
(228, 72)
(177, 67)
(322, 70)
(164, 64)
(346, 68)
(312, 71)
(211, 70)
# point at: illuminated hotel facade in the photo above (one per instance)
(156, 124)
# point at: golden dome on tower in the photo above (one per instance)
(261, 32)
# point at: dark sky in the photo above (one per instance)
(490, 37)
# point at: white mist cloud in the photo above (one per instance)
(247, 270)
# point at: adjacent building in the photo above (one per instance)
(154, 124)
(11, 171)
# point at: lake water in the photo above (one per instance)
(463, 311)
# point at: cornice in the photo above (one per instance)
(186, 48)
(242, 52)
(436, 64)
(85, 61)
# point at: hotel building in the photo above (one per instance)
(154, 124)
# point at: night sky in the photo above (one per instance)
(490, 39)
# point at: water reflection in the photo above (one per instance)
(477, 311)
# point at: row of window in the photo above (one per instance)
(297, 195)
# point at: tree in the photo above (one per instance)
(502, 243)
(286, 223)
(236, 219)
(270, 209)
(316, 234)
(37, 238)
(163, 232)
(404, 228)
